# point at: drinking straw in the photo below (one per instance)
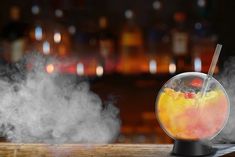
(211, 69)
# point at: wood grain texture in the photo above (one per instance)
(79, 150)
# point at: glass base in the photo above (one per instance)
(192, 148)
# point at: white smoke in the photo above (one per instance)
(227, 79)
(43, 108)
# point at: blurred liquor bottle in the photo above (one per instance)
(106, 45)
(14, 36)
(158, 42)
(203, 39)
(156, 36)
(180, 41)
(62, 41)
(36, 31)
(202, 46)
(61, 44)
(131, 46)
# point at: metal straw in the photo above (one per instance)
(211, 69)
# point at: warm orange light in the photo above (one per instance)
(46, 47)
(57, 37)
(99, 70)
(152, 66)
(172, 68)
(80, 69)
(50, 68)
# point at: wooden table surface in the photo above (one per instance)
(79, 150)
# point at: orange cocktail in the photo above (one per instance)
(188, 116)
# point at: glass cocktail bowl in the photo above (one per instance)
(184, 114)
